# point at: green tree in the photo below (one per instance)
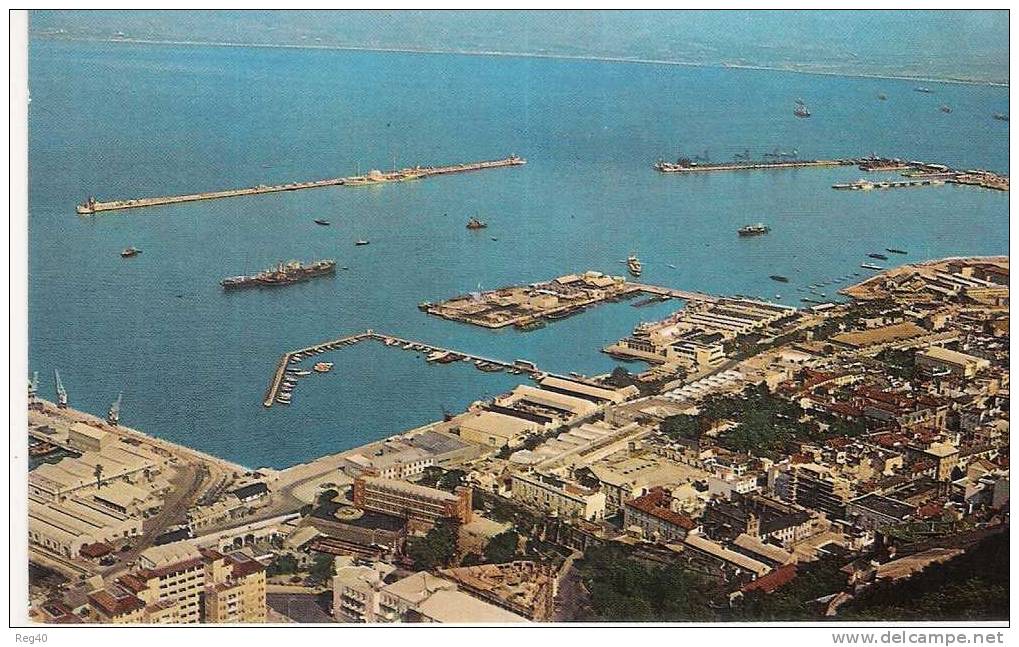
(283, 565)
(436, 549)
(431, 475)
(327, 497)
(502, 548)
(451, 480)
(322, 567)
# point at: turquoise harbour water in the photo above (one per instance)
(127, 120)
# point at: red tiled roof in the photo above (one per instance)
(243, 568)
(132, 583)
(930, 510)
(113, 606)
(98, 549)
(655, 503)
(773, 580)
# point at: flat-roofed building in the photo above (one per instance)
(496, 429)
(423, 597)
(418, 504)
(936, 358)
(86, 438)
(596, 394)
(872, 511)
(64, 527)
(719, 553)
(557, 497)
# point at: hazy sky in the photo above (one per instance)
(970, 44)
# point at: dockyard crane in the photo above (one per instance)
(61, 391)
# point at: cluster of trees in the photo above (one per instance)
(900, 363)
(766, 424)
(437, 477)
(624, 589)
(796, 600)
(972, 587)
(683, 427)
(436, 549)
(285, 564)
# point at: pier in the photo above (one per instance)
(866, 185)
(686, 295)
(442, 355)
(694, 167)
(925, 173)
(374, 178)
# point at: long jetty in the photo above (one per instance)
(693, 167)
(292, 358)
(92, 206)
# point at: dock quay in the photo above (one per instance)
(866, 185)
(923, 173)
(687, 166)
(527, 307)
(288, 363)
(93, 206)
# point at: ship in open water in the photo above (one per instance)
(281, 274)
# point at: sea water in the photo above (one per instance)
(121, 120)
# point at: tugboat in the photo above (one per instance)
(474, 223)
(361, 242)
(779, 278)
(801, 109)
(130, 251)
(319, 221)
(633, 265)
(754, 230)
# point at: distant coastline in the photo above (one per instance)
(535, 55)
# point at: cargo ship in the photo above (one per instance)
(754, 230)
(281, 274)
